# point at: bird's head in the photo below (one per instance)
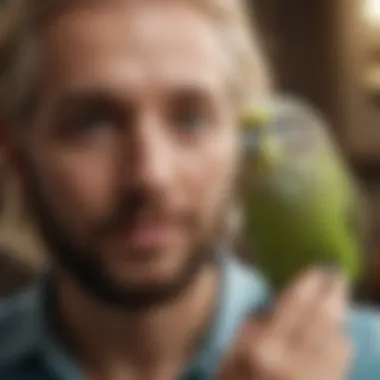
(259, 142)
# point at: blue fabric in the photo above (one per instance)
(30, 351)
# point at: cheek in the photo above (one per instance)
(79, 185)
(213, 173)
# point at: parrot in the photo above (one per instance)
(301, 203)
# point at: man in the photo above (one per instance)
(126, 142)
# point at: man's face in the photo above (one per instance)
(132, 153)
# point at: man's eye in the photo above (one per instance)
(191, 121)
(89, 123)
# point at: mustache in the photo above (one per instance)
(137, 206)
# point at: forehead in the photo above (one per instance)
(132, 46)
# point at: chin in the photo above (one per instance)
(127, 283)
(148, 273)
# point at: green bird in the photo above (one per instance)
(301, 203)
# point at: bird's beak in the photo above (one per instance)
(259, 148)
(268, 154)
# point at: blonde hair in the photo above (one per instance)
(22, 19)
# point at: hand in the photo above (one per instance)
(303, 339)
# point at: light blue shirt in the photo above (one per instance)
(30, 350)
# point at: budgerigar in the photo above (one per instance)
(301, 203)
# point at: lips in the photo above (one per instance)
(152, 234)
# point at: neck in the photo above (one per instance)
(164, 337)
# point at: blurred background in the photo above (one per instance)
(327, 51)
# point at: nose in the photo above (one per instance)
(151, 161)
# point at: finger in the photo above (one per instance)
(335, 361)
(332, 363)
(327, 318)
(344, 358)
(295, 303)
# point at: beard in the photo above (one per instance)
(84, 266)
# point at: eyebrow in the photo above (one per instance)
(194, 93)
(99, 97)
(76, 100)
(85, 96)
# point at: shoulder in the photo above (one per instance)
(364, 330)
(19, 330)
(246, 285)
(243, 290)
(15, 309)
